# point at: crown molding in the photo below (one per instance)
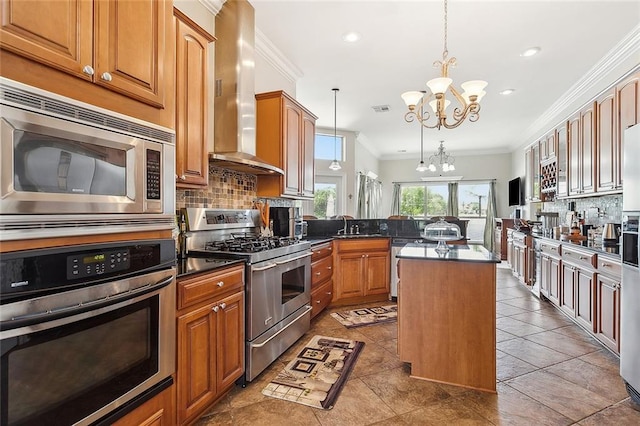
(212, 6)
(627, 49)
(273, 55)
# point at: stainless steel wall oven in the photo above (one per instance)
(84, 330)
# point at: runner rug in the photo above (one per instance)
(317, 374)
(367, 316)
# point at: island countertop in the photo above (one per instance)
(456, 253)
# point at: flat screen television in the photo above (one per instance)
(515, 192)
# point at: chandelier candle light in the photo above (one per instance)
(421, 166)
(334, 164)
(469, 100)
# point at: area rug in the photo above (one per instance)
(367, 316)
(317, 374)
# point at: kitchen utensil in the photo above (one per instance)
(610, 232)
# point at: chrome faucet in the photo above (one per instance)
(344, 229)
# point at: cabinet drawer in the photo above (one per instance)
(203, 287)
(321, 297)
(609, 267)
(363, 244)
(320, 251)
(321, 270)
(519, 238)
(551, 249)
(578, 257)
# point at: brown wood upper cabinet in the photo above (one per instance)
(285, 138)
(627, 114)
(192, 101)
(121, 46)
(581, 147)
(606, 142)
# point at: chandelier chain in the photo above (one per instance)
(446, 52)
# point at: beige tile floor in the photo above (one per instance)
(550, 372)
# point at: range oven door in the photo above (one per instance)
(276, 289)
(73, 357)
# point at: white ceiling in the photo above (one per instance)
(401, 40)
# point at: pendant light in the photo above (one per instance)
(334, 164)
(421, 166)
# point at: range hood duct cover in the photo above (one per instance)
(235, 104)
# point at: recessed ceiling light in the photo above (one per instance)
(507, 91)
(530, 51)
(351, 37)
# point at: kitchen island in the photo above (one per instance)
(447, 314)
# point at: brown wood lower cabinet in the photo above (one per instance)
(607, 324)
(362, 270)
(210, 328)
(550, 278)
(321, 277)
(158, 411)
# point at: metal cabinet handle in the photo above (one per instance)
(318, 273)
(329, 267)
(318, 302)
(215, 308)
(88, 70)
(220, 283)
(605, 265)
(183, 177)
(583, 258)
(106, 76)
(329, 293)
(614, 286)
(223, 305)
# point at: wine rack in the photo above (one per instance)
(549, 176)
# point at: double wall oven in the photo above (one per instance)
(87, 260)
(277, 278)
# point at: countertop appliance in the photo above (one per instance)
(287, 222)
(94, 323)
(277, 278)
(630, 290)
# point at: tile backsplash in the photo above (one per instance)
(597, 210)
(227, 189)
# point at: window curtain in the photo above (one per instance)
(452, 203)
(491, 216)
(369, 197)
(395, 200)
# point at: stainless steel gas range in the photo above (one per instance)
(277, 278)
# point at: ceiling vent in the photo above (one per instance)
(381, 108)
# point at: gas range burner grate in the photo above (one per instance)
(249, 243)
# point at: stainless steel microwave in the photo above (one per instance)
(62, 157)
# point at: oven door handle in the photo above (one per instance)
(259, 345)
(295, 258)
(271, 265)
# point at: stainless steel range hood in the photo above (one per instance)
(234, 106)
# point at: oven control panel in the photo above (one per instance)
(82, 265)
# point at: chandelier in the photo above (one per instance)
(469, 100)
(335, 166)
(441, 157)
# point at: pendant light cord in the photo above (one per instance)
(335, 124)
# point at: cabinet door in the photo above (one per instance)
(230, 340)
(574, 156)
(587, 133)
(56, 33)
(552, 147)
(158, 411)
(554, 281)
(584, 297)
(192, 46)
(567, 295)
(130, 45)
(628, 103)
(377, 273)
(607, 327)
(308, 155)
(528, 173)
(350, 276)
(562, 133)
(606, 142)
(535, 168)
(293, 121)
(196, 375)
(545, 274)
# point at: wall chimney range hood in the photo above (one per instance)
(235, 105)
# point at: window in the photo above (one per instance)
(326, 148)
(430, 199)
(327, 198)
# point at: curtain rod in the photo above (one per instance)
(446, 181)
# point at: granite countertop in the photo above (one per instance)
(456, 253)
(194, 265)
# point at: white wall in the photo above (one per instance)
(269, 79)
(494, 166)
